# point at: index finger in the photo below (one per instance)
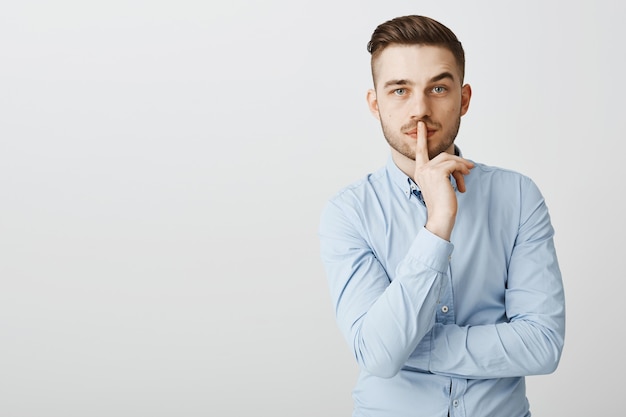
(421, 145)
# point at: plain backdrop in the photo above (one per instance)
(163, 165)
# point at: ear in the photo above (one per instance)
(372, 103)
(466, 95)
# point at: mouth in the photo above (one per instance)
(413, 133)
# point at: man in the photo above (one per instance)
(442, 271)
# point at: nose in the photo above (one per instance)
(420, 106)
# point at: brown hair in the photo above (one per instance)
(416, 30)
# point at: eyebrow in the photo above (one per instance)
(398, 82)
(442, 76)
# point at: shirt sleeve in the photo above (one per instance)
(382, 320)
(531, 342)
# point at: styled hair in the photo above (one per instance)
(416, 30)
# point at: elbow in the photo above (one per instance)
(380, 364)
(558, 341)
(382, 354)
(385, 372)
(381, 370)
(548, 365)
(553, 360)
(551, 356)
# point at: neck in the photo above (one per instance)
(406, 165)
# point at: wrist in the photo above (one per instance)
(440, 227)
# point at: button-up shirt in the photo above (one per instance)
(441, 327)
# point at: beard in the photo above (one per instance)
(397, 139)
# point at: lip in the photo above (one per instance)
(413, 133)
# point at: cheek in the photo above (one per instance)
(386, 113)
(390, 111)
(452, 110)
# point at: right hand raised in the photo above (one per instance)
(433, 178)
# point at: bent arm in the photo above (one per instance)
(382, 320)
(532, 340)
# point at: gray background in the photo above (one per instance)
(162, 169)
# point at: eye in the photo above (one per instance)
(399, 91)
(439, 89)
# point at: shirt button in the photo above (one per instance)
(455, 403)
(445, 309)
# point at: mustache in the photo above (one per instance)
(412, 125)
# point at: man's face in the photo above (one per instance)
(418, 82)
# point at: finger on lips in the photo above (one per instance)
(421, 147)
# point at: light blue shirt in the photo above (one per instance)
(441, 327)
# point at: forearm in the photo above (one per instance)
(502, 350)
(386, 335)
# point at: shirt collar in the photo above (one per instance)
(405, 183)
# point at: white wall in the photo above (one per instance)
(162, 169)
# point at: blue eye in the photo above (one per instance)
(399, 91)
(439, 89)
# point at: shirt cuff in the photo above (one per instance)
(431, 250)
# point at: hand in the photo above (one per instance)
(433, 178)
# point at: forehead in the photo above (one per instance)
(417, 63)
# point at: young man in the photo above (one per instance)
(442, 271)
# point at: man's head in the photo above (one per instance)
(418, 68)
